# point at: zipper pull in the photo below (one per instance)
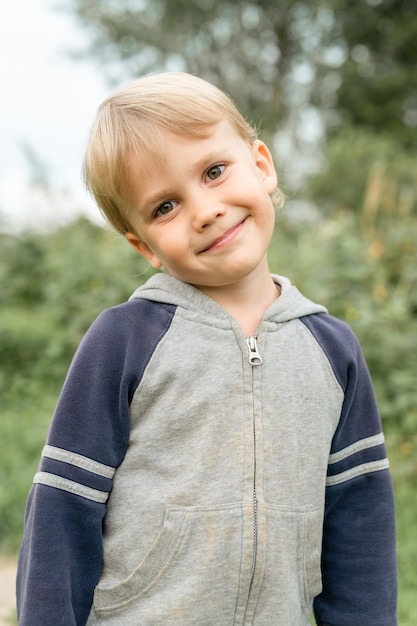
(254, 356)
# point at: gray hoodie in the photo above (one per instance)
(224, 467)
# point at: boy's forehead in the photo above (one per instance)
(214, 136)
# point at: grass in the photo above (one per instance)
(404, 469)
(24, 422)
(12, 619)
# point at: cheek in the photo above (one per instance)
(269, 221)
(170, 251)
(267, 208)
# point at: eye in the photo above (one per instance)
(165, 208)
(215, 171)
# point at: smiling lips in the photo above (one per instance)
(226, 238)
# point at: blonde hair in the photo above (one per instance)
(131, 122)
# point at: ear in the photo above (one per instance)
(143, 249)
(265, 164)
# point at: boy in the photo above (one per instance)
(216, 456)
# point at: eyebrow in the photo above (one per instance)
(155, 198)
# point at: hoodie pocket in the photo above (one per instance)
(109, 597)
(292, 554)
(190, 574)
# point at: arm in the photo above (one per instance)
(358, 559)
(60, 560)
(358, 556)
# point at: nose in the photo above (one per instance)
(205, 212)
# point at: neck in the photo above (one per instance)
(246, 301)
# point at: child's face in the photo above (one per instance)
(203, 209)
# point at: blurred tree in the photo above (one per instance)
(378, 77)
(353, 156)
(21, 270)
(259, 52)
(51, 292)
(291, 64)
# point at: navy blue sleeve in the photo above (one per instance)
(60, 559)
(359, 568)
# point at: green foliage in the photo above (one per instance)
(82, 262)
(218, 40)
(53, 286)
(404, 468)
(353, 64)
(378, 90)
(364, 171)
(20, 270)
(26, 413)
(222, 41)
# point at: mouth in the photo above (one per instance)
(226, 238)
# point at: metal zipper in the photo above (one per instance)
(254, 359)
(255, 538)
(254, 356)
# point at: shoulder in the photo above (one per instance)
(123, 338)
(338, 342)
(330, 330)
(137, 311)
(139, 317)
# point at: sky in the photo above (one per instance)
(48, 103)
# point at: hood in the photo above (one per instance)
(164, 288)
